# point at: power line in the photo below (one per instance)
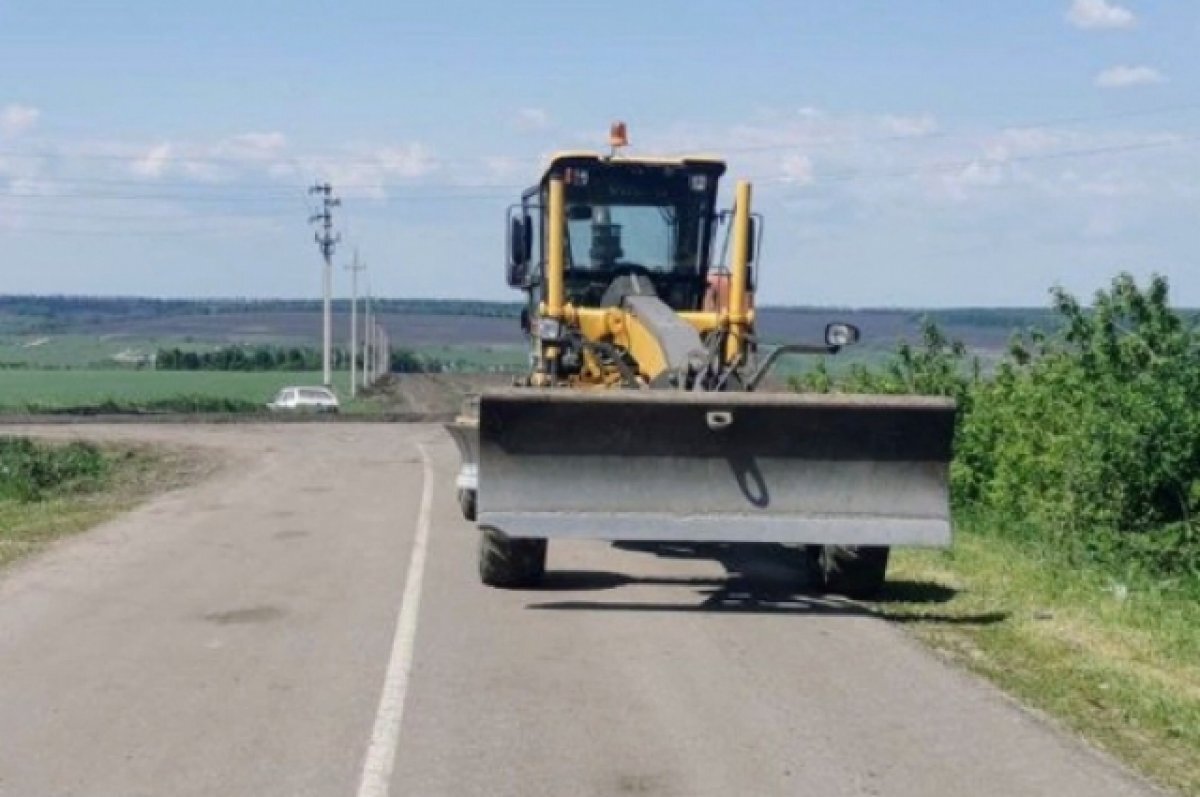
(350, 161)
(147, 217)
(503, 191)
(954, 166)
(947, 134)
(149, 232)
(368, 193)
(495, 192)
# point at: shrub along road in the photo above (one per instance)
(308, 622)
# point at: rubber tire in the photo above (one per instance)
(467, 501)
(853, 571)
(510, 563)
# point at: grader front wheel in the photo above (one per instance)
(467, 503)
(510, 563)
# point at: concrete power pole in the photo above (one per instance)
(381, 352)
(354, 268)
(326, 241)
(367, 343)
(386, 351)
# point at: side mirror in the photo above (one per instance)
(520, 249)
(838, 335)
(517, 275)
(519, 245)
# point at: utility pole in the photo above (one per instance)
(354, 268)
(385, 360)
(326, 242)
(368, 344)
(381, 347)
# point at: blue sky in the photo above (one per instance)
(921, 153)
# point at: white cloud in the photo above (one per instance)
(251, 145)
(222, 161)
(16, 119)
(1102, 225)
(797, 170)
(202, 171)
(961, 182)
(532, 119)
(981, 173)
(501, 168)
(154, 163)
(1099, 15)
(356, 169)
(368, 172)
(410, 160)
(911, 125)
(1018, 142)
(1111, 187)
(29, 186)
(1119, 77)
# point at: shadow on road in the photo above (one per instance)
(759, 579)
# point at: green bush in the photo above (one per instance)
(938, 367)
(243, 358)
(32, 471)
(1091, 434)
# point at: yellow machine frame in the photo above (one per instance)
(623, 328)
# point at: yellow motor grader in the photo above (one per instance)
(642, 417)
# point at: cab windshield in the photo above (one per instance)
(608, 236)
(625, 216)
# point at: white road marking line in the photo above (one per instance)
(381, 754)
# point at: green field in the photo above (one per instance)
(20, 389)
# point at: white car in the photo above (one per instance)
(300, 399)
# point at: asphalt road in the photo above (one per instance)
(308, 622)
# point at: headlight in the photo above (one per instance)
(549, 330)
(840, 334)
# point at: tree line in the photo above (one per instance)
(239, 358)
(287, 358)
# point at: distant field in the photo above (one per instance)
(71, 388)
(105, 326)
(304, 328)
(82, 351)
(479, 357)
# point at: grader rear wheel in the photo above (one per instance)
(853, 571)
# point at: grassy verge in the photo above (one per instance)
(130, 475)
(1112, 657)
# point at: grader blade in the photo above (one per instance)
(721, 467)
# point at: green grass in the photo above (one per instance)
(21, 389)
(131, 474)
(1112, 658)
